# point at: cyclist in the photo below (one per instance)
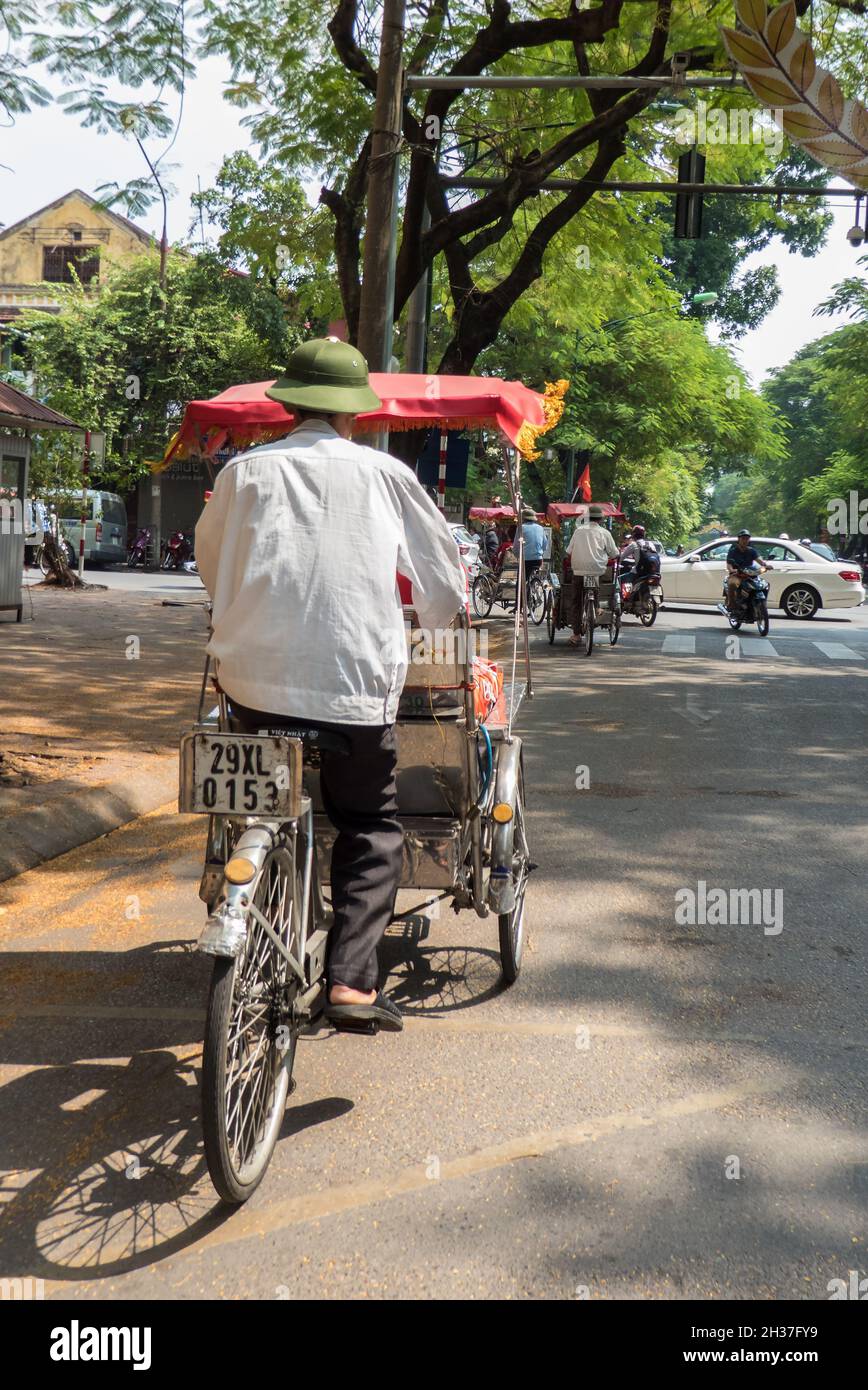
(589, 550)
(534, 542)
(299, 547)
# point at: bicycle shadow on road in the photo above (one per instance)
(431, 978)
(102, 1167)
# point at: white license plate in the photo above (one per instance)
(240, 775)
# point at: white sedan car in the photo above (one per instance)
(801, 582)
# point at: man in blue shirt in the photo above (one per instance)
(534, 542)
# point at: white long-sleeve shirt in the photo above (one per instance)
(590, 547)
(298, 547)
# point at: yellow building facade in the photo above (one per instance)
(71, 236)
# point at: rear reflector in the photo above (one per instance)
(851, 576)
(99, 531)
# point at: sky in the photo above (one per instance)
(46, 153)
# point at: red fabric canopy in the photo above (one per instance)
(244, 415)
(491, 514)
(559, 512)
(499, 514)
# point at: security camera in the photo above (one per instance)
(856, 235)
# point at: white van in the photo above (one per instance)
(105, 533)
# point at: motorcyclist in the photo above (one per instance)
(299, 547)
(631, 551)
(741, 558)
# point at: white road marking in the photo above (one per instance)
(836, 651)
(757, 646)
(679, 645)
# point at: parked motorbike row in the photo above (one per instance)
(177, 551)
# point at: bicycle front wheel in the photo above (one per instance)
(250, 1039)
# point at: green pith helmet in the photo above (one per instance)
(326, 374)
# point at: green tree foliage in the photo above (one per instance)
(267, 227)
(660, 408)
(821, 396)
(734, 228)
(309, 101)
(127, 360)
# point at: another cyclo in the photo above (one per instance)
(600, 597)
(461, 801)
(500, 585)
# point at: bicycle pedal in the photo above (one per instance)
(369, 1029)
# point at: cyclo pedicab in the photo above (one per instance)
(493, 586)
(599, 596)
(460, 790)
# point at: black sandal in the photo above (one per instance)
(366, 1018)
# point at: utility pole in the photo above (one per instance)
(378, 283)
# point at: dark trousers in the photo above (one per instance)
(360, 795)
(578, 602)
(531, 567)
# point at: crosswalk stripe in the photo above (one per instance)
(757, 646)
(836, 651)
(679, 644)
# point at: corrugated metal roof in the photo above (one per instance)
(18, 409)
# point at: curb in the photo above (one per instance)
(80, 816)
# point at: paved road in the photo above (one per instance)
(660, 1108)
(168, 583)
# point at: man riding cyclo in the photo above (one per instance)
(590, 549)
(535, 542)
(299, 548)
(741, 558)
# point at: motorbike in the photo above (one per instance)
(750, 604)
(138, 551)
(641, 596)
(179, 551)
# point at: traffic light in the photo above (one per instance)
(688, 206)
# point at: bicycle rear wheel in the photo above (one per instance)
(250, 1039)
(511, 925)
(553, 614)
(483, 592)
(536, 600)
(588, 623)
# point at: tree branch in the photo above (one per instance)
(342, 28)
(481, 314)
(346, 208)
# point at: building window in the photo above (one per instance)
(58, 263)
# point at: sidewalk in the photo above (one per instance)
(88, 733)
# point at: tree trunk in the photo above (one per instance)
(60, 573)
